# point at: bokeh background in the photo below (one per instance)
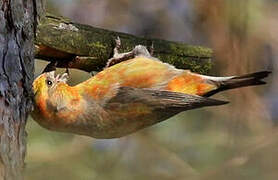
(235, 141)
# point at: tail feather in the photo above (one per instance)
(256, 75)
(252, 79)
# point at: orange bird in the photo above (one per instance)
(127, 96)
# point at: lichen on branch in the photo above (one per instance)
(88, 48)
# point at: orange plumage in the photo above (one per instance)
(143, 72)
(126, 97)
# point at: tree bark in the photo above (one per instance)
(17, 27)
(88, 48)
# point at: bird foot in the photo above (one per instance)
(139, 50)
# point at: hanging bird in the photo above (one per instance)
(128, 96)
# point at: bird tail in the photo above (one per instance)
(233, 82)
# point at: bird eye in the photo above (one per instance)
(49, 83)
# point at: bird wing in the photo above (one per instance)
(157, 100)
(131, 109)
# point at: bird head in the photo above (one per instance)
(47, 82)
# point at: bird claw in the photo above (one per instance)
(139, 50)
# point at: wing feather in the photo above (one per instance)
(160, 99)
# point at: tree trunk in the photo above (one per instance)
(17, 26)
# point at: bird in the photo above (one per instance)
(130, 95)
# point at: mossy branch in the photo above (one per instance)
(88, 48)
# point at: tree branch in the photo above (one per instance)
(88, 48)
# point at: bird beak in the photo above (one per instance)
(64, 78)
(61, 78)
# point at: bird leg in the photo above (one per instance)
(139, 50)
(151, 49)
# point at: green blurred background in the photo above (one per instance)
(235, 141)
